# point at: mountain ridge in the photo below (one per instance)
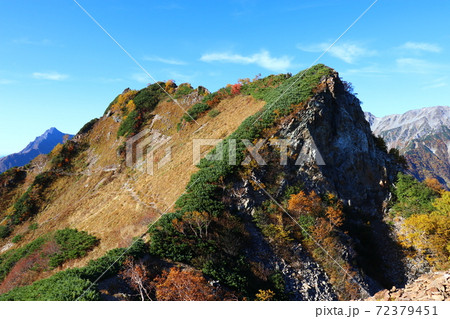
(422, 136)
(293, 230)
(42, 144)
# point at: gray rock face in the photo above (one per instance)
(331, 130)
(305, 280)
(355, 169)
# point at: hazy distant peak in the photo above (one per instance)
(42, 144)
(415, 122)
(423, 136)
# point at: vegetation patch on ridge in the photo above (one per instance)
(203, 196)
(76, 283)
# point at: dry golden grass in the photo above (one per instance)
(117, 203)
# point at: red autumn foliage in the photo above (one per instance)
(187, 285)
(236, 89)
(27, 269)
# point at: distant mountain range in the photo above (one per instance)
(41, 145)
(422, 136)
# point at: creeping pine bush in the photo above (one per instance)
(145, 100)
(204, 194)
(88, 126)
(208, 102)
(28, 204)
(25, 207)
(213, 113)
(13, 176)
(17, 239)
(194, 112)
(183, 89)
(73, 244)
(70, 149)
(4, 231)
(77, 283)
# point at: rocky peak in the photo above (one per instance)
(355, 169)
(339, 157)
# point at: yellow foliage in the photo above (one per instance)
(57, 149)
(434, 184)
(277, 233)
(130, 105)
(244, 81)
(302, 203)
(170, 86)
(442, 204)
(429, 235)
(335, 216)
(123, 100)
(265, 295)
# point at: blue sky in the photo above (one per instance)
(57, 68)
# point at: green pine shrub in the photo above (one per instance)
(73, 244)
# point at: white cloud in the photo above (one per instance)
(6, 81)
(141, 78)
(180, 77)
(347, 52)
(163, 60)
(437, 83)
(263, 59)
(421, 46)
(53, 76)
(372, 70)
(32, 42)
(411, 65)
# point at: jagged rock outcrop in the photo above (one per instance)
(331, 151)
(338, 155)
(354, 167)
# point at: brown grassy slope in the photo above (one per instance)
(116, 203)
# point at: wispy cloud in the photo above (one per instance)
(405, 66)
(347, 52)
(164, 60)
(420, 66)
(181, 77)
(6, 81)
(52, 76)
(263, 59)
(371, 70)
(27, 41)
(437, 83)
(141, 77)
(421, 46)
